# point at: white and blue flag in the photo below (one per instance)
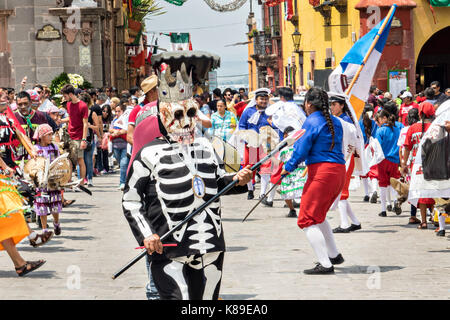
(341, 78)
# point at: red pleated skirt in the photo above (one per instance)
(324, 184)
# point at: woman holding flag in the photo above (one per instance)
(321, 149)
(340, 109)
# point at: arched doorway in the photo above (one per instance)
(433, 62)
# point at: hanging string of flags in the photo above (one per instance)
(176, 2)
(231, 6)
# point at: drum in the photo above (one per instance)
(269, 138)
(250, 137)
(226, 154)
(36, 170)
(60, 172)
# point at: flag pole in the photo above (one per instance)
(374, 43)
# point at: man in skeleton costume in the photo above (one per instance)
(168, 179)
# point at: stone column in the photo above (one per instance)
(49, 54)
(6, 79)
(21, 38)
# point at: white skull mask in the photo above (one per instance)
(179, 119)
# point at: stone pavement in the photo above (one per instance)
(387, 259)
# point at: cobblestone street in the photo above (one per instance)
(387, 259)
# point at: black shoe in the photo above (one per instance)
(374, 197)
(341, 230)
(382, 214)
(440, 233)
(267, 203)
(338, 259)
(57, 230)
(389, 208)
(354, 227)
(250, 195)
(319, 269)
(366, 199)
(397, 208)
(292, 214)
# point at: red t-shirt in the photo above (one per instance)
(138, 110)
(413, 137)
(403, 114)
(77, 112)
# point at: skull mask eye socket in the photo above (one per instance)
(192, 112)
(178, 115)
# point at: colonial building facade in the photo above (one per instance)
(42, 38)
(417, 46)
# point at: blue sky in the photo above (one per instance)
(210, 30)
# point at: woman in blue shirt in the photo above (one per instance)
(387, 135)
(321, 148)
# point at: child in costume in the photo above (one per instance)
(387, 135)
(291, 185)
(413, 117)
(47, 201)
(369, 128)
(412, 140)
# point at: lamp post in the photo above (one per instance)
(296, 38)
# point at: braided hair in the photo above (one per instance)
(319, 99)
(347, 111)
(367, 121)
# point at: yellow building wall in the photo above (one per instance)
(252, 69)
(317, 37)
(423, 23)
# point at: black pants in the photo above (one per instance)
(189, 278)
(101, 161)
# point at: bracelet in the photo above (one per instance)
(85, 140)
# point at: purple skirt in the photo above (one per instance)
(48, 202)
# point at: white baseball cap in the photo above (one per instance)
(406, 94)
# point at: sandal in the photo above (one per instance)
(44, 238)
(413, 220)
(423, 225)
(33, 265)
(67, 203)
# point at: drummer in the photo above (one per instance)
(253, 118)
(49, 201)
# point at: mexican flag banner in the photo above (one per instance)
(180, 41)
(440, 3)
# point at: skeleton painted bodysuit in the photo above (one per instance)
(159, 193)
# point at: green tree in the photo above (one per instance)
(144, 8)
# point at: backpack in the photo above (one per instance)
(435, 158)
